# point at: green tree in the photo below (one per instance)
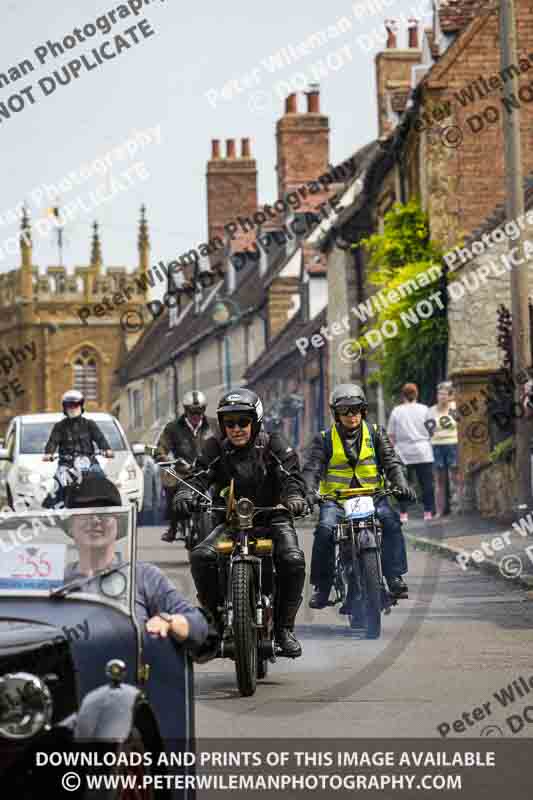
(417, 352)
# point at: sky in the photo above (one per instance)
(137, 128)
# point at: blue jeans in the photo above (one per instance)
(393, 556)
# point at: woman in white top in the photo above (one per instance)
(411, 439)
(442, 425)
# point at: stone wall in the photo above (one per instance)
(493, 489)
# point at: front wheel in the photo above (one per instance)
(244, 627)
(371, 590)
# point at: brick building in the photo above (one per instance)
(263, 273)
(45, 348)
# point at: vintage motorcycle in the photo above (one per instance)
(69, 475)
(199, 526)
(247, 585)
(359, 583)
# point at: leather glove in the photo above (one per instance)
(297, 506)
(311, 499)
(183, 505)
(406, 493)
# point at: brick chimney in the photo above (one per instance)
(231, 186)
(302, 145)
(393, 73)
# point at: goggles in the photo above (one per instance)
(241, 422)
(349, 410)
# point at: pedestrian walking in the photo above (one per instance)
(442, 425)
(411, 438)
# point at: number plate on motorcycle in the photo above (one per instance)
(32, 566)
(357, 507)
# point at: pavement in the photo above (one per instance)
(502, 550)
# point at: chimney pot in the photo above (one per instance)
(230, 148)
(313, 101)
(245, 148)
(390, 26)
(413, 32)
(215, 148)
(291, 104)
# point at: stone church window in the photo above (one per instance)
(86, 375)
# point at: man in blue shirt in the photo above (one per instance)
(159, 606)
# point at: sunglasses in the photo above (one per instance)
(241, 422)
(196, 411)
(72, 405)
(344, 411)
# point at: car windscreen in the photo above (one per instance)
(69, 552)
(34, 435)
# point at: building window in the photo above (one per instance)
(248, 346)
(315, 405)
(137, 408)
(194, 367)
(156, 399)
(170, 392)
(86, 375)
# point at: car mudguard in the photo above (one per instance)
(109, 712)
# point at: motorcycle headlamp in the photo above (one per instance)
(245, 512)
(26, 705)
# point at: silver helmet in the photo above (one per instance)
(72, 396)
(194, 400)
(347, 394)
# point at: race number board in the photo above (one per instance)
(33, 566)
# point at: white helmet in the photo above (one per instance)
(194, 400)
(72, 396)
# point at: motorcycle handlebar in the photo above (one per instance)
(321, 498)
(76, 454)
(209, 507)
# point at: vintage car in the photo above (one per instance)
(77, 668)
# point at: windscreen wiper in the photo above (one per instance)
(74, 586)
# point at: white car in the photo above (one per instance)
(22, 468)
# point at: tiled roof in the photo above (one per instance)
(454, 15)
(284, 344)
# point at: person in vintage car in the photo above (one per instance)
(159, 605)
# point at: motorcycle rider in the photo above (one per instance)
(75, 436)
(184, 436)
(267, 471)
(351, 454)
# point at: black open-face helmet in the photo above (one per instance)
(347, 395)
(241, 401)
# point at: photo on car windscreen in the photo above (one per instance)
(266, 399)
(66, 552)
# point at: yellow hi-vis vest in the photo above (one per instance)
(340, 473)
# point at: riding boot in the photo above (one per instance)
(285, 637)
(205, 577)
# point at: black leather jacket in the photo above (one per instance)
(178, 438)
(75, 435)
(388, 461)
(267, 471)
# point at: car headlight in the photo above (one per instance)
(26, 705)
(25, 476)
(127, 474)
